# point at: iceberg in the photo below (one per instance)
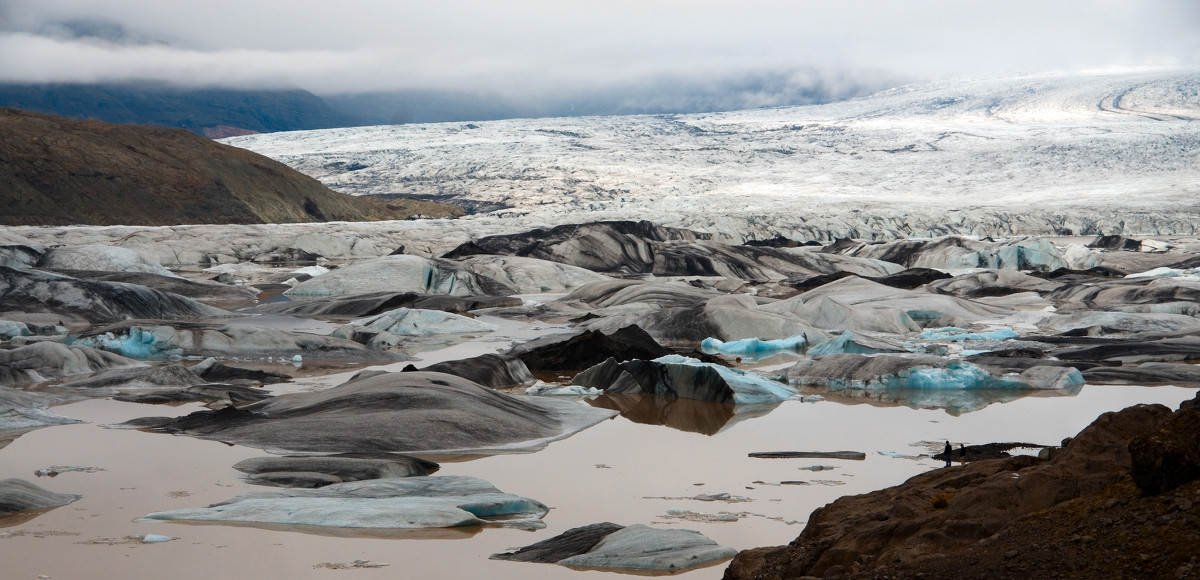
(140, 342)
(547, 390)
(955, 334)
(1168, 272)
(10, 329)
(405, 503)
(854, 343)
(753, 346)
(679, 377)
(416, 322)
(641, 547)
(924, 372)
(748, 388)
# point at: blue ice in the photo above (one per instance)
(138, 343)
(752, 345)
(955, 334)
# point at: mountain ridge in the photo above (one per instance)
(56, 171)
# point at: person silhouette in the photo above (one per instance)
(948, 453)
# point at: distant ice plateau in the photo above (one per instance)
(1048, 154)
(1042, 154)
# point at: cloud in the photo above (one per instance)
(526, 49)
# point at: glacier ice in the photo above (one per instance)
(853, 342)
(922, 372)
(1167, 272)
(641, 547)
(748, 388)
(418, 322)
(139, 342)
(955, 334)
(405, 503)
(753, 346)
(11, 328)
(549, 390)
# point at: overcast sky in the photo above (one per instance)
(539, 47)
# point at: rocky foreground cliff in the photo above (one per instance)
(56, 171)
(1120, 500)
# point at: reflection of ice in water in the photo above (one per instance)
(682, 414)
(954, 402)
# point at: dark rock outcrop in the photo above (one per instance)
(1057, 514)
(1169, 456)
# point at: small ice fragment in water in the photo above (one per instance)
(297, 359)
(155, 538)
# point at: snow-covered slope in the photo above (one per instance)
(1053, 153)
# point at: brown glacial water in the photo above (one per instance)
(626, 470)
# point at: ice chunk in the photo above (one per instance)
(856, 343)
(958, 375)
(1167, 272)
(10, 328)
(548, 390)
(99, 257)
(748, 388)
(311, 270)
(955, 334)
(140, 342)
(924, 372)
(405, 503)
(645, 548)
(753, 346)
(416, 322)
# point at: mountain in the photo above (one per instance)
(56, 171)
(211, 112)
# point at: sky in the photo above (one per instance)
(536, 48)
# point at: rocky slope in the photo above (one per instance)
(55, 171)
(1120, 500)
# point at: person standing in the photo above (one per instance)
(948, 453)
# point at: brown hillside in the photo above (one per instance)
(56, 171)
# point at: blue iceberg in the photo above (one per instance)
(955, 334)
(753, 347)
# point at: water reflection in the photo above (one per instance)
(681, 414)
(457, 533)
(954, 401)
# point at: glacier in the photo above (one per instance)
(1036, 154)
